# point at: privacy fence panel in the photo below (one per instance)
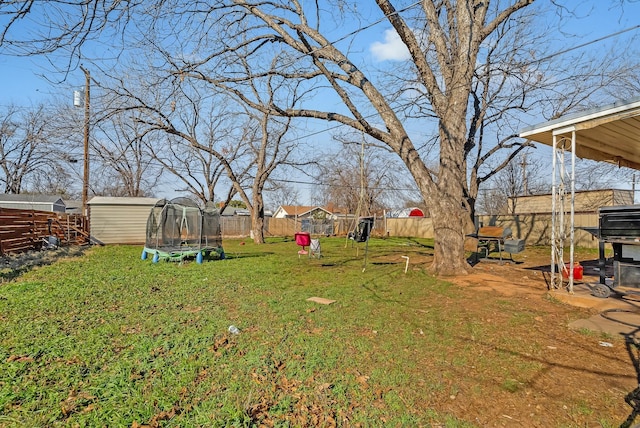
(235, 226)
(415, 227)
(535, 229)
(25, 230)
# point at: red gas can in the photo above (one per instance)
(577, 271)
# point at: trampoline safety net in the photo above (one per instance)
(180, 228)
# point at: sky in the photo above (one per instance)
(22, 82)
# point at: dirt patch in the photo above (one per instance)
(601, 356)
(14, 265)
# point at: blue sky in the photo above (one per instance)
(21, 80)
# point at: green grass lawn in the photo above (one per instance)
(107, 339)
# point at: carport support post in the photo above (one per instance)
(558, 207)
(554, 193)
(573, 200)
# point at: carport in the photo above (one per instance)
(609, 133)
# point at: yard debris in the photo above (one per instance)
(321, 300)
(20, 359)
(606, 344)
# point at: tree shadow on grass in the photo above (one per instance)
(633, 350)
(230, 256)
(13, 266)
(411, 242)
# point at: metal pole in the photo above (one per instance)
(562, 208)
(573, 208)
(85, 178)
(554, 191)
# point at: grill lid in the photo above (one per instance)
(619, 221)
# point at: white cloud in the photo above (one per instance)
(391, 49)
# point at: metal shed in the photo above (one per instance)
(610, 133)
(120, 220)
(33, 202)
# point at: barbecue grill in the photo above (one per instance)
(620, 227)
(500, 237)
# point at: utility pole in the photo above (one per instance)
(525, 185)
(85, 178)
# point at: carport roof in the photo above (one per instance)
(610, 133)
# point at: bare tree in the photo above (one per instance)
(598, 175)
(247, 150)
(34, 27)
(467, 73)
(358, 178)
(524, 176)
(197, 172)
(270, 151)
(281, 193)
(125, 166)
(27, 149)
(444, 56)
(57, 179)
(168, 118)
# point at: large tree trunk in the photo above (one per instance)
(448, 212)
(257, 218)
(448, 225)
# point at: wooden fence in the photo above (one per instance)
(24, 230)
(535, 229)
(240, 226)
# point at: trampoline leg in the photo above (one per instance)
(156, 257)
(144, 255)
(199, 258)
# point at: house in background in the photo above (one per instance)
(234, 211)
(313, 219)
(302, 211)
(405, 213)
(33, 202)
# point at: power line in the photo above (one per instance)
(599, 39)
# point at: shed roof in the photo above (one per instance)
(113, 200)
(43, 199)
(609, 133)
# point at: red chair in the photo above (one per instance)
(303, 239)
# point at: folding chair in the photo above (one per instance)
(315, 248)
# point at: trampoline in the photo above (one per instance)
(179, 229)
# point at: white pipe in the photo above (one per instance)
(406, 266)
